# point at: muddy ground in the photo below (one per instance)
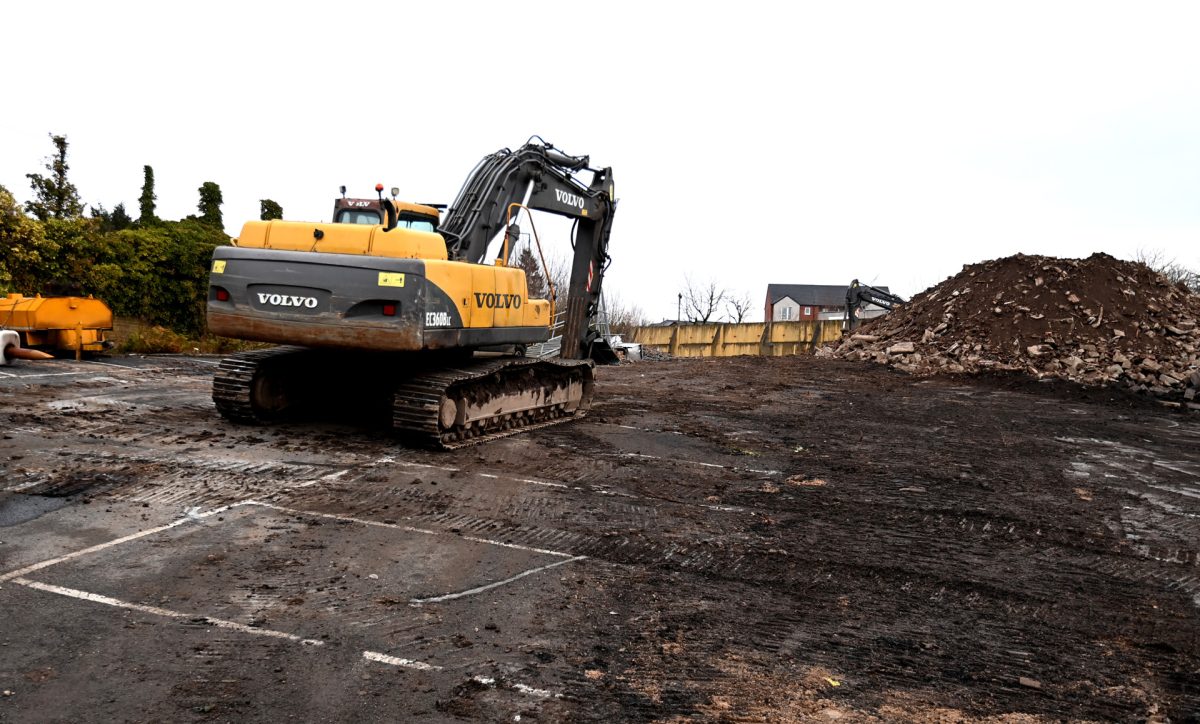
(721, 540)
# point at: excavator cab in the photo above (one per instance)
(358, 211)
(385, 212)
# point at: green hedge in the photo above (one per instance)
(157, 273)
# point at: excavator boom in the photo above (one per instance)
(860, 295)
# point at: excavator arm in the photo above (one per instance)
(859, 295)
(550, 180)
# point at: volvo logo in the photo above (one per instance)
(497, 301)
(569, 199)
(287, 300)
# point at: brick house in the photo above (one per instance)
(800, 302)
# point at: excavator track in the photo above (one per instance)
(484, 400)
(442, 407)
(242, 384)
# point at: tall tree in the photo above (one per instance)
(623, 318)
(102, 215)
(54, 196)
(534, 278)
(269, 210)
(116, 220)
(25, 252)
(210, 204)
(120, 218)
(147, 199)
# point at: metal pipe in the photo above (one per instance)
(14, 352)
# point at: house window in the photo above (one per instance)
(808, 311)
(785, 313)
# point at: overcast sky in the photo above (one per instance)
(750, 142)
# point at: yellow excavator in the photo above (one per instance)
(393, 301)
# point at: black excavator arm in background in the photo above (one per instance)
(860, 295)
(549, 178)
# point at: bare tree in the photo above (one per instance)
(739, 306)
(701, 300)
(623, 317)
(558, 273)
(1170, 269)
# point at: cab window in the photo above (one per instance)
(418, 223)
(359, 216)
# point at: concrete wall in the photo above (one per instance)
(728, 340)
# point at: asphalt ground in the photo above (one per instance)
(743, 539)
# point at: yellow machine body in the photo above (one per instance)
(462, 281)
(464, 284)
(399, 243)
(62, 323)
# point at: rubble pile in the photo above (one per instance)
(1099, 321)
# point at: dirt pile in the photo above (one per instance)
(1098, 320)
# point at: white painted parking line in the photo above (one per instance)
(516, 546)
(484, 680)
(49, 374)
(404, 463)
(167, 613)
(540, 693)
(194, 515)
(190, 516)
(497, 584)
(543, 482)
(396, 661)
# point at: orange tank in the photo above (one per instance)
(70, 324)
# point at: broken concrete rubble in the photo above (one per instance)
(1099, 320)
